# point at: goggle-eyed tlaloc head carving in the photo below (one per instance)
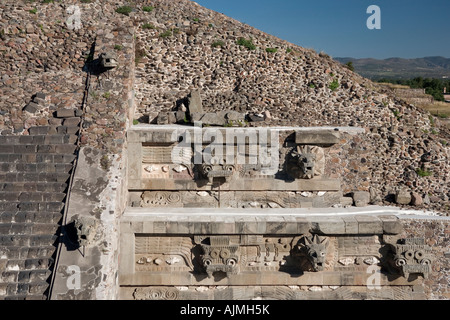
(217, 169)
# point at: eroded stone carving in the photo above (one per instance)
(108, 60)
(412, 256)
(87, 229)
(157, 154)
(275, 292)
(306, 162)
(314, 250)
(260, 252)
(156, 293)
(220, 255)
(160, 198)
(233, 254)
(163, 253)
(218, 170)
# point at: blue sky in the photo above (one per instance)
(409, 28)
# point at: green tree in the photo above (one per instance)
(349, 65)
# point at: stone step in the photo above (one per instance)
(28, 264)
(31, 217)
(33, 186)
(34, 176)
(54, 130)
(27, 297)
(33, 276)
(6, 167)
(34, 157)
(68, 113)
(17, 253)
(24, 276)
(15, 228)
(24, 291)
(9, 206)
(32, 196)
(38, 139)
(38, 148)
(28, 240)
(36, 288)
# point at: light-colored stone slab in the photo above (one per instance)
(327, 225)
(311, 137)
(391, 224)
(369, 224)
(351, 225)
(316, 184)
(347, 278)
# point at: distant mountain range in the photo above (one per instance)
(399, 68)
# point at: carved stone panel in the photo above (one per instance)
(219, 254)
(163, 254)
(237, 161)
(234, 254)
(412, 256)
(313, 252)
(157, 154)
(234, 199)
(245, 253)
(156, 293)
(358, 252)
(161, 198)
(306, 162)
(267, 259)
(277, 292)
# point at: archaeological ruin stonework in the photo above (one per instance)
(151, 156)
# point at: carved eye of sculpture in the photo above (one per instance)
(425, 262)
(228, 168)
(419, 255)
(207, 168)
(214, 254)
(400, 262)
(231, 262)
(322, 254)
(409, 254)
(224, 253)
(207, 262)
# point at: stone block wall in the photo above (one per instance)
(152, 168)
(264, 244)
(414, 96)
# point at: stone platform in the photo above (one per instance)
(161, 253)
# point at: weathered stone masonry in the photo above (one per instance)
(98, 194)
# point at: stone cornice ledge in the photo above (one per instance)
(307, 212)
(329, 221)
